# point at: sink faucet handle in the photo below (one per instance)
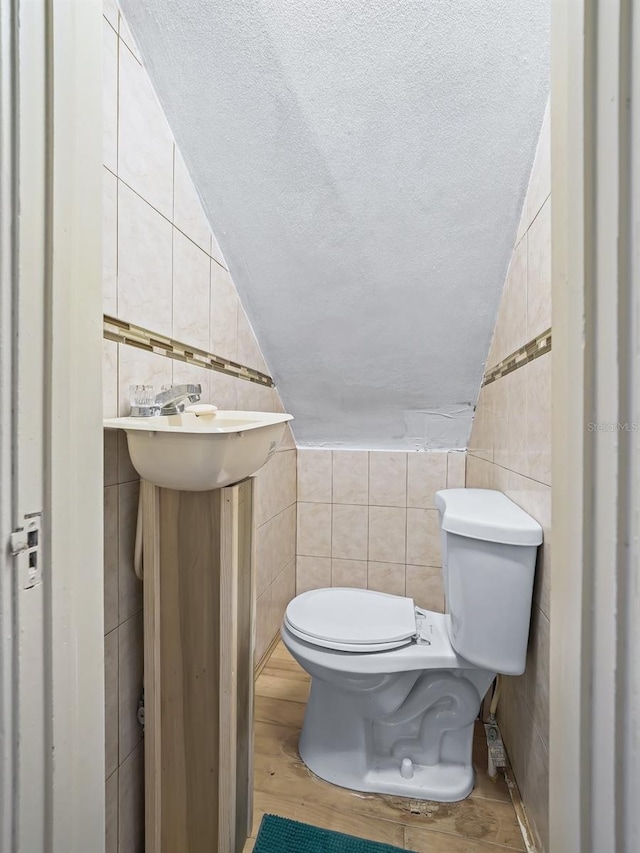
(174, 392)
(171, 401)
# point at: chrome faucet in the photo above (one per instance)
(169, 402)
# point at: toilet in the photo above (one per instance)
(395, 689)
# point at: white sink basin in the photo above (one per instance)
(197, 453)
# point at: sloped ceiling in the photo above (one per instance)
(363, 164)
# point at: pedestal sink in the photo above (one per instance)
(199, 617)
(196, 453)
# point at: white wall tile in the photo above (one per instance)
(424, 585)
(249, 352)
(137, 367)
(110, 443)
(535, 789)
(131, 803)
(129, 586)
(126, 472)
(495, 348)
(110, 11)
(109, 97)
(350, 477)
(263, 623)
(387, 534)
(312, 573)
(265, 555)
(423, 537)
(539, 273)
(479, 473)
(145, 142)
(387, 479)
(275, 486)
(314, 476)
(224, 314)
(189, 374)
(253, 397)
(188, 214)
(537, 672)
(516, 384)
(502, 479)
(144, 264)
(515, 329)
(130, 656)
(349, 573)
(538, 437)
(216, 253)
(127, 37)
(110, 552)
(481, 439)
(456, 467)
(283, 590)
(287, 442)
(426, 474)
(224, 391)
(500, 422)
(111, 814)
(285, 524)
(349, 532)
(386, 577)
(275, 546)
(191, 292)
(540, 181)
(109, 379)
(314, 529)
(523, 224)
(109, 243)
(111, 733)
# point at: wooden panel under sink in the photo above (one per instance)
(199, 629)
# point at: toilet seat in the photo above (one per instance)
(352, 620)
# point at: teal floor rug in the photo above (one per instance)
(279, 835)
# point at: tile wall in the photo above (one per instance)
(510, 450)
(163, 270)
(368, 519)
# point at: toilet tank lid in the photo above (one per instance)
(488, 515)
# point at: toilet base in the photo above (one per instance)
(412, 736)
(444, 783)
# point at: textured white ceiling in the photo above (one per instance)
(363, 164)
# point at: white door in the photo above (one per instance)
(7, 762)
(51, 654)
(595, 590)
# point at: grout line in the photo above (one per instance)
(120, 38)
(518, 807)
(130, 753)
(547, 197)
(111, 25)
(511, 471)
(164, 216)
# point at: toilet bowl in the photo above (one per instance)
(395, 689)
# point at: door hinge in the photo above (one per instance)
(24, 544)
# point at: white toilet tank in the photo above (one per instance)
(489, 547)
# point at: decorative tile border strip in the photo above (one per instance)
(135, 336)
(534, 349)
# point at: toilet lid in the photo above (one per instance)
(352, 619)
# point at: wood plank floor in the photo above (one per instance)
(483, 823)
